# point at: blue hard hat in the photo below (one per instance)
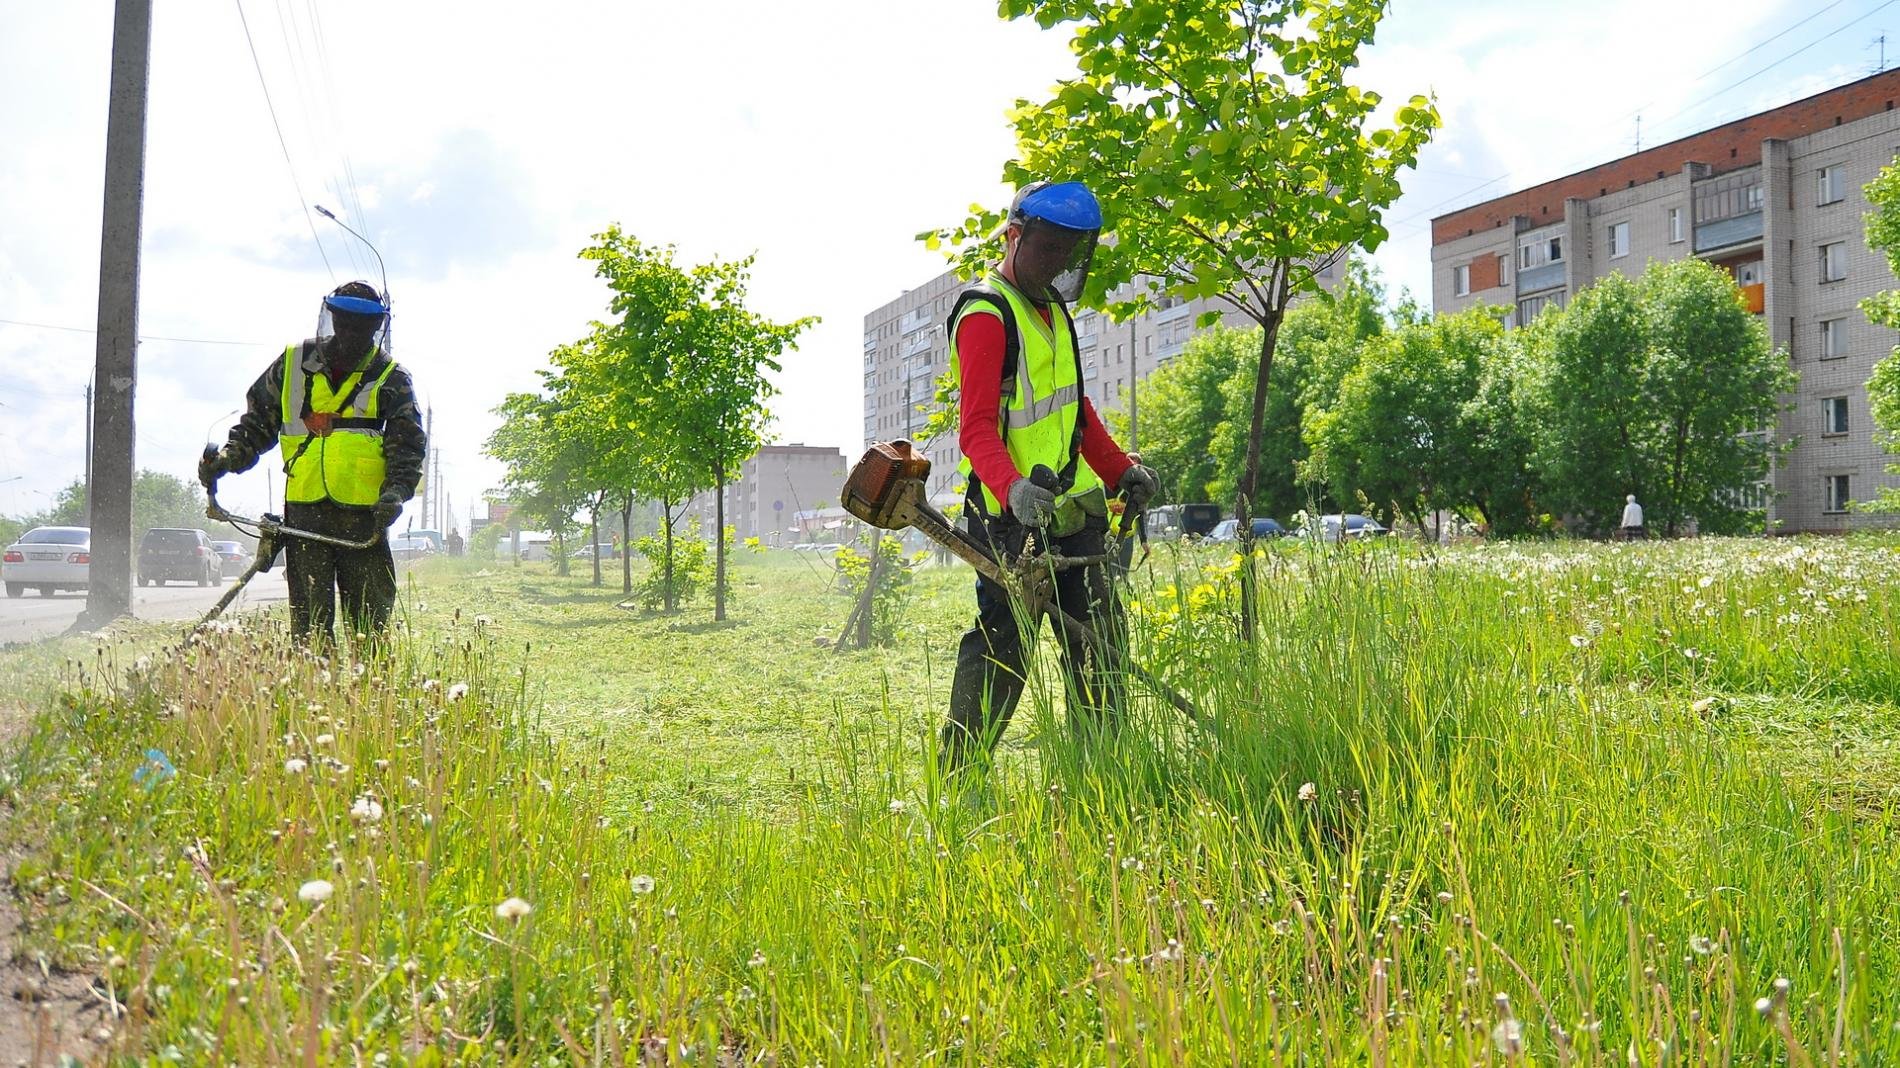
(1066, 204)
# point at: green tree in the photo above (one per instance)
(1182, 403)
(546, 469)
(689, 363)
(1657, 387)
(1234, 158)
(1397, 433)
(1883, 309)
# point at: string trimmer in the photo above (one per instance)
(270, 531)
(886, 489)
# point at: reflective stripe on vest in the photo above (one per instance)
(1037, 418)
(339, 459)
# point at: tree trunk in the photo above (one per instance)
(719, 542)
(560, 549)
(1673, 503)
(670, 601)
(1250, 475)
(626, 545)
(593, 533)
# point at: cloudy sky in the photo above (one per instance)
(481, 144)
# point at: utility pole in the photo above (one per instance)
(89, 454)
(115, 360)
(428, 434)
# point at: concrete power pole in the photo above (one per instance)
(115, 362)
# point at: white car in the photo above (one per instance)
(51, 558)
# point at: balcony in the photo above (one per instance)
(920, 343)
(1722, 233)
(1546, 276)
(1753, 297)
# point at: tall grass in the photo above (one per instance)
(1566, 806)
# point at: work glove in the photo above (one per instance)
(213, 463)
(1032, 505)
(387, 507)
(1138, 486)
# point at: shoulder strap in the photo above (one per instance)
(1012, 337)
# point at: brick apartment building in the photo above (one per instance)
(905, 350)
(1776, 200)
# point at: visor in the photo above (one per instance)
(355, 305)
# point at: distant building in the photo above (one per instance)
(1775, 199)
(771, 489)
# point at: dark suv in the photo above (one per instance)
(167, 553)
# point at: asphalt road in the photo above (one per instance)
(32, 617)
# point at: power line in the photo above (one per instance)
(1410, 217)
(302, 203)
(142, 337)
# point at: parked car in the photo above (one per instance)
(50, 558)
(236, 559)
(1263, 527)
(1356, 526)
(434, 537)
(167, 553)
(605, 550)
(1180, 520)
(410, 547)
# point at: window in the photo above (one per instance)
(1530, 308)
(1833, 338)
(1834, 415)
(1833, 185)
(1537, 252)
(1839, 493)
(1619, 239)
(1461, 280)
(1834, 261)
(1675, 225)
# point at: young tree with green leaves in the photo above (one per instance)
(546, 469)
(1233, 157)
(689, 363)
(1883, 309)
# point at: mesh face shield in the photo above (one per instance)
(351, 324)
(1061, 224)
(1052, 262)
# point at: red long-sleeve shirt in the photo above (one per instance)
(980, 346)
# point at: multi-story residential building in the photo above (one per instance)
(769, 492)
(779, 482)
(1776, 200)
(905, 351)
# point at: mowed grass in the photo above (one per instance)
(1567, 804)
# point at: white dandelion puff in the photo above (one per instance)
(315, 892)
(643, 884)
(366, 810)
(294, 766)
(1309, 793)
(458, 691)
(513, 909)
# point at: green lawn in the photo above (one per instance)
(1550, 804)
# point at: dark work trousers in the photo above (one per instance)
(318, 574)
(991, 659)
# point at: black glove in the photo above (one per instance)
(1032, 505)
(1138, 486)
(213, 463)
(388, 507)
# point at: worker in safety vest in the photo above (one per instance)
(1019, 372)
(343, 415)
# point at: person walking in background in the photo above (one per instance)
(1632, 527)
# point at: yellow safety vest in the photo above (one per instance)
(1042, 405)
(332, 453)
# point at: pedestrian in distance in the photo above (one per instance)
(1632, 526)
(343, 415)
(1019, 371)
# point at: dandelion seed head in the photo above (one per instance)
(642, 884)
(315, 892)
(896, 805)
(458, 691)
(295, 766)
(513, 909)
(1309, 793)
(1508, 1037)
(366, 810)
